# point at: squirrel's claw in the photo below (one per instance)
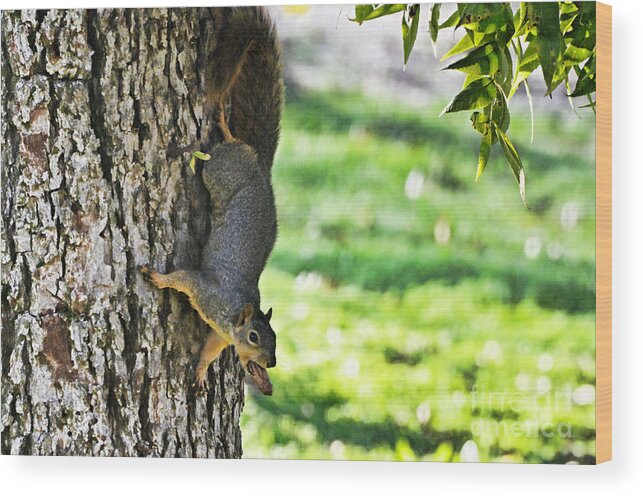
(200, 377)
(200, 384)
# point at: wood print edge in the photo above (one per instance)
(603, 233)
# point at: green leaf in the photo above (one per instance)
(500, 111)
(528, 63)
(409, 34)
(480, 120)
(493, 20)
(549, 40)
(483, 156)
(567, 21)
(200, 156)
(584, 86)
(465, 43)
(434, 23)
(505, 68)
(529, 16)
(471, 78)
(540, 22)
(478, 94)
(481, 61)
(579, 29)
(478, 38)
(568, 7)
(577, 54)
(483, 17)
(586, 83)
(381, 11)
(514, 161)
(522, 25)
(434, 27)
(452, 21)
(361, 11)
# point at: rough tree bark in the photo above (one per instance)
(94, 360)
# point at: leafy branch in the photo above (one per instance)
(499, 50)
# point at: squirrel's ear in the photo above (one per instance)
(269, 314)
(245, 315)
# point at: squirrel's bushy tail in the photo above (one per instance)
(246, 71)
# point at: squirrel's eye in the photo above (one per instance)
(254, 337)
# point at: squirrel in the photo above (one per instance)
(246, 76)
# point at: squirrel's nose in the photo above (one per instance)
(272, 362)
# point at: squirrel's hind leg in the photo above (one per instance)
(223, 124)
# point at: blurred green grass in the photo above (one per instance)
(422, 316)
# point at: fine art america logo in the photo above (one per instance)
(518, 414)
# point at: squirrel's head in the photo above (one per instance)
(255, 342)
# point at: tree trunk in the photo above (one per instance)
(95, 361)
